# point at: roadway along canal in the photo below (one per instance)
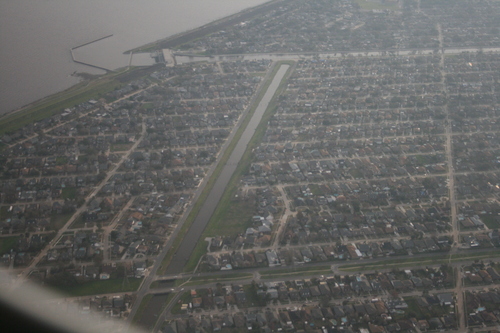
(193, 235)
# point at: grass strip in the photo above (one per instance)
(140, 310)
(297, 274)
(225, 278)
(198, 280)
(97, 287)
(434, 260)
(7, 243)
(296, 270)
(154, 324)
(210, 183)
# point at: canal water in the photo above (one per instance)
(193, 235)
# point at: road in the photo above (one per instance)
(284, 218)
(108, 229)
(462, 325)
(186, 58)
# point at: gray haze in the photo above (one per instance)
(36, 36)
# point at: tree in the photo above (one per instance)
(98, 260)
(120, 272)
(324, 301)
(114, 235)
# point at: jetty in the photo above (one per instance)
(86, 63)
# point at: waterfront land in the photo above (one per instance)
(366, 200)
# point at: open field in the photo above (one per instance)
(491, 221)
(141, 309)
(7, 243)
(58, 221)
(147, 318)
(232, 215)
(69, 193)
(5, 213)
(115, 147)
(184, 299)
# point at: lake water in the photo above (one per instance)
(36, 37)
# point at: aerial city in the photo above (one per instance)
(300, 166)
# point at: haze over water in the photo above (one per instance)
(36, 37)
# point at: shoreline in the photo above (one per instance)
(176, 39)
(211, 27)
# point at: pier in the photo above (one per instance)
(85, 63)
(93, 41)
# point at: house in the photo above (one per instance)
(375, 328)
(227, 320)
(140, 269)
(493, 273)
(240, 297)
(197, 301)
(435, 323)
(305, 293)
(170, 328)
(220, 301)
(315, 291)
(272, 258)
(91, 272)
(239, 320)
(106, 271)
(445, 299)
